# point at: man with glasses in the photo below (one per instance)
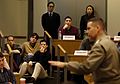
(51, 20)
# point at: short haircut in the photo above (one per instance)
(10, 36)
(1, 55)
(99, 21)
(67, 17)
(44, 41)
(34, 34)
(51, 3)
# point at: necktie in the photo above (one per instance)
(50, 14)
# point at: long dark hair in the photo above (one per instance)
(92, 9)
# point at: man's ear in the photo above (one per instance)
(98, 27)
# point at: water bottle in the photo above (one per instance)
(59, 35)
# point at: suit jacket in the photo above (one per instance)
(103, 61)
(51, 24)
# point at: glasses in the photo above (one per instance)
(51, 6)
(10, 40)
(33, 37)
(68, 20)
(42, 44)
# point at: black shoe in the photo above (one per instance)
(30, 80)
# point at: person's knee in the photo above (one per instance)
(24, 64)
(38, 64)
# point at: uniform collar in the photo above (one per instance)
(100, 38)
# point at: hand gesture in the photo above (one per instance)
(65, 26)
(58, 64)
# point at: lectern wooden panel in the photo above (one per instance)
(72, 57)
(69, 45)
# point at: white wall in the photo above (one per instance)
(13, 17)
(40, 7)
(113, 17)
(76, 8)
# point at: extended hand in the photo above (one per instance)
(57, 63)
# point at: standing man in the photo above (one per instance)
(103, 59)
(51, 21)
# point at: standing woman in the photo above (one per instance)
(83, 22)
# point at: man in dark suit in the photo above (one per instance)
(51, 21)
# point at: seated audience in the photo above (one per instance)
(38, 64)
(16, 49)
(6, 76)
(30, 47)
(68, 29)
